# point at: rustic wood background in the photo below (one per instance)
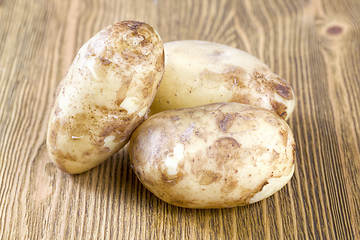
(314, 44)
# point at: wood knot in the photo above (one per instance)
(334, 30)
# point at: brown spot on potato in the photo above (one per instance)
(161, 154)
(197, 162)
(259, 150)
(149, 79)
(262, 186)
(284, 90)
(224, 150)
(112, 127)
(74, 127)
(229, 185)
(121, 128)
(172, 180)
(159, 65)
(279, 108)
(79, 126)
(99, 146)
(224, 121)
(227, 143)
(207, 177)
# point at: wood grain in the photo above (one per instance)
(314, 44)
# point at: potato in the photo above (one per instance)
(213, 156)
(198, 73)
(105, 95)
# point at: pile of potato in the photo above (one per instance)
(216, 137)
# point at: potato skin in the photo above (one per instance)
(213, 156)
(199, 73)
(105, 95)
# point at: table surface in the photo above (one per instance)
(313, 44)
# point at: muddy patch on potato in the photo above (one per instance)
(172, 180)
(224, 150)
(279, 108)
(224, 121)
(159, 65)
(207, 177)
(230, 184)
(284, 89)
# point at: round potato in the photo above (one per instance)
(213, 156)
(199, 73)
(105, 95)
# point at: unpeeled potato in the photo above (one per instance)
(105, 95)
(213, 156)
(199, 72)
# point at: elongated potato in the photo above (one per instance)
(198, 73)
(213, 156)
(105, 95)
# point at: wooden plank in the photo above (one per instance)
(314, 44)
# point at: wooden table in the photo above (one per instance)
(314, 44)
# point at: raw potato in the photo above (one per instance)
(213, 156)
(199, 73)
(105, 95)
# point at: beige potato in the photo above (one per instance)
(213, 156)
(198, 73)
(105, 95)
